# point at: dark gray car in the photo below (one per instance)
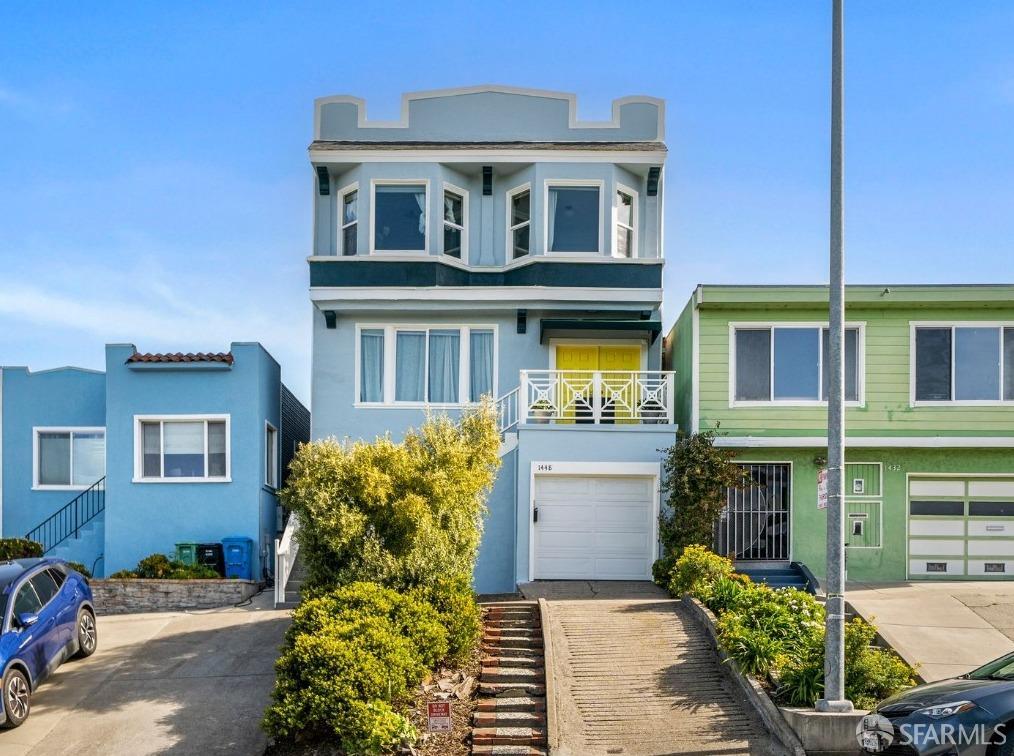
(968, 715)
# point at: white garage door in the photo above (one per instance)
(594, 527)
(961, 528)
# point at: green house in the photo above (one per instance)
(929, 479)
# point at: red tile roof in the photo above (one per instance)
(225, 357)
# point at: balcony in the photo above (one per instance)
(577, 397)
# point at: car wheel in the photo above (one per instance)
(87, 634)
(17, 698)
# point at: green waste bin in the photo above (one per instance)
(186, 553)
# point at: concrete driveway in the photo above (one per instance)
(166, 683)
(947, 628)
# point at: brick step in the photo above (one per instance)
(499, 632)
(512, 641)
(499, 719)
(498, 623)
(510, 689)
(493, 605)
(511, 674)
(529, 736)
(534, 652)
(511, 703)
(510, 660)
(488, 750)
(511, 614)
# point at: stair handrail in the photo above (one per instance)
(507, 410)
(286, 549)
(67, 521)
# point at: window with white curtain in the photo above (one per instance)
(442, 365)
(623, 245)
(572, 218)
(350, 221)
(399, 217)
(69, 457)
(182, 448)
(455, 209)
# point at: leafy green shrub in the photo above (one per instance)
(349, 660)
(402, 514)
(754, 650)
(454, 601)
(80, 568)
(19, 548)
(161, 567)
(696, 570)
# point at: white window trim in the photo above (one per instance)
(374, 183)
(139, 447)
(273, 468)
(342, 225)
(72, 429)
(952, 324)
(564, 183)
(760, 325)
(463, 193)
(390, 356)
(634, 252)
(509, 243)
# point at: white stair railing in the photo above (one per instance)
(286, 549)
(597, 396)
(507, 410)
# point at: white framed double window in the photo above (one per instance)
(424, 365)
(348, 224)
(455, 222)
(573, 216)
(625, 222)
(519, 222)
(965, 363)
(270, 455)
(67, 458)
(400, 216)
(182, 449)
(787, 364)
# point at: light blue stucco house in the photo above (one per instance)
(491, 242)
(105, 468)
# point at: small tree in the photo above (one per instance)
(697, 475)
(405, 515)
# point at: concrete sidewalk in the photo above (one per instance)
(946, 628)
(634, 675)
(164, 683)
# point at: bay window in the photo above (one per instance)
(441, 365)
(963, 363)
(455, 210)
(789, 363)
(182, 448)
(572, 217)
(399, 217)
(69, 457)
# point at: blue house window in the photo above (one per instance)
(399, 217)
(182, 448)
(69, 457)
(573, 218)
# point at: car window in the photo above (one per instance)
(58, 575)
(45, 586)
(27, 601)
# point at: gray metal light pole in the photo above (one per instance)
(834, 639)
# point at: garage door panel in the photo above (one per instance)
(949, 547)
(565, 568)
(936, 528)
(633, 488)
(634, 543)
(929, 568)
(564, 486)
(994, 528)
(622, 569)
(564, 539)
(623, 517)
(991, 547)
(556, 514)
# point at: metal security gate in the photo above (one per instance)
(755, 522)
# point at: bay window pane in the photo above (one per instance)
(184, 449)
(151, 450)
(573, 219)
(371, 366)
(480, 364)
(350, 208)
(453, 208)
(932, 364)
(54, 459)
(976, 363)
(216, 449)
(521, 243)
(521, 208)
(452, 241)
(624, 209)
(753, 364)
(400, 217)
(851, 364)
(797, 363)
(410, 366)
(624, 241)
(445, 350)
(89, 450)
(349, 239)
(1008, 364)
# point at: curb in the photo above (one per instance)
(753, 691)
(552, 726)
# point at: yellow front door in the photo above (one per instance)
(575, 389)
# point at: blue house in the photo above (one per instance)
(491, 242)
(107, 468)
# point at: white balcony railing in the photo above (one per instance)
(615, 397)
(286, 549)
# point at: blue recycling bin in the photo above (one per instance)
(238, 557)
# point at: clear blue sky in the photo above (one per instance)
(154, 185)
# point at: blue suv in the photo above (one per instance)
(48, 617)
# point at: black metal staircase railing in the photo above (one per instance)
(67, 522)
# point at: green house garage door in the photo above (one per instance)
(961, 528)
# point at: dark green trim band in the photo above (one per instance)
(562, 325)
(372, 273)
